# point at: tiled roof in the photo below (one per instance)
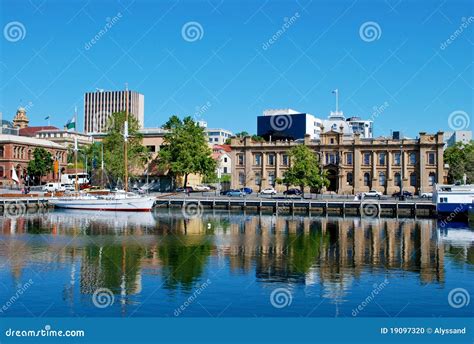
(31, 131)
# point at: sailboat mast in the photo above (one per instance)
(126, 138)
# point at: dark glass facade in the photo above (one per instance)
(281, 127)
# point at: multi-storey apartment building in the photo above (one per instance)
(99, 105)
(353, 164)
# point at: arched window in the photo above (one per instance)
(413, 179)
(350, 178)
(382, 179)
(29, 155)
(398, 179)
(367, 179)
(432, 179)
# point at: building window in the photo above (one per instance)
(432, 179)
(225, 159)
(332, 141)
(331, 158)
(396, 159)
(382, 158)
(151, 149)
(1, 152)
(258, 159)
(382, 179)
(412, 158)
(2, 172)
(398, 179)
(271, 159)
(367, 158)
(349, 159)
(367, 179)
(271, 178)
(240, 159)
(258, 178)
(285, 160)
(431, 158)
(241, 178)
(350, 179)
(225, 170)
(413, 179)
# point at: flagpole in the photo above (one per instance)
(125, 132)
(75, 162)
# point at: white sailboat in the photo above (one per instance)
(121, 200)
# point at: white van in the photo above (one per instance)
(53, 187)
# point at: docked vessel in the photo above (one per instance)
(454, 199)
(117, 201)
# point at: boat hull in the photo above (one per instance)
(130, 204)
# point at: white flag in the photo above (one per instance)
(125, 131)
(15, 176)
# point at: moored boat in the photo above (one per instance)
(118, 201)
(454, 199)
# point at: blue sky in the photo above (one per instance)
(232, 72)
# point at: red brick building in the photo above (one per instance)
(17, 151)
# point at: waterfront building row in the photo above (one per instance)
(353, 164)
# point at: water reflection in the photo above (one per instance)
(115, 250)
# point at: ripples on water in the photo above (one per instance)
(229, 264)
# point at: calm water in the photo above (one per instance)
(228, 264)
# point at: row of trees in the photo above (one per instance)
(460, 158)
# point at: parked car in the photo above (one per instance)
(427, 195)
(53, 187)
(403, 194)
(235, 193)
(186, 189)
(268, 191)
(247, 191)
(292, 191)
(373, 194)
(201, 188)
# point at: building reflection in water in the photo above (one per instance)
(105, 251)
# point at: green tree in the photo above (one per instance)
(304, 170)
(114, 147)
(41, 164)
(460, 158)
(186, 150)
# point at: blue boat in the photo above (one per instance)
(454, 199)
